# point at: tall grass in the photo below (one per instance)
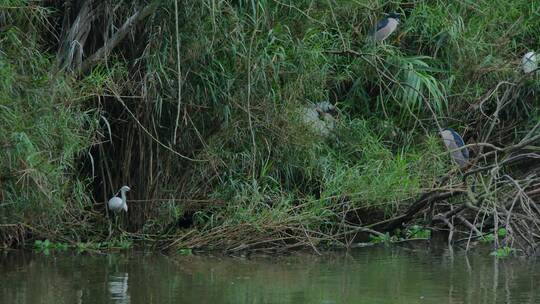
(256, 63)
(203, 101)
(45, 132)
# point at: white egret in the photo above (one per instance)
(529, 62)
(117, 204)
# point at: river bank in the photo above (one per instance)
(212, 113)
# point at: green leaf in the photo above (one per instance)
(185, 251)
(503, 252)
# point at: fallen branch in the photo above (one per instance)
(425, 200)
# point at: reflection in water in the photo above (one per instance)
(372, 275)
(118, 287)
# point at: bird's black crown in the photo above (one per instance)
(393, 15)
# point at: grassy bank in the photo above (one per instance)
(199, 107)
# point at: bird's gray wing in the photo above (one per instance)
(460, 143)
(382, 23)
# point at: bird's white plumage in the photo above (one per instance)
(116, 203)
(387, 30)
(529, 62)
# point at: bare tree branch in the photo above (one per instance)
(111, 43)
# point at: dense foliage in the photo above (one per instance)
(200, 110)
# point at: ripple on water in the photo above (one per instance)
(367, 275)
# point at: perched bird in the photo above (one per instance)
(117, 204)
(320, 118)
(386, 27)
(453, 141)
(529, 62)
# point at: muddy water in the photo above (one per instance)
(372, 275)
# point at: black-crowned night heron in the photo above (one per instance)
(319, 118)
(117, 204)
(529, 62)
(386, 27)
(453, 142)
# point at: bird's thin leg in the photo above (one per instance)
(117, 223)
(110, 231)
(110, 216)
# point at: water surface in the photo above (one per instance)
(368, 275)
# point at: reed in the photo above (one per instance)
(203, 101)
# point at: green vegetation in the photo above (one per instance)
(382, 239)
(418, 232)
(490, 237)
(46, 246)
(503, 252)
(185, 251)
(45, 128)
(199, 110)
(415, 232)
